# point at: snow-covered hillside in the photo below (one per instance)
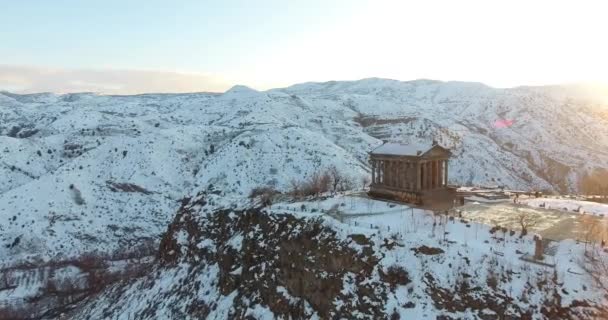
(82, 172)
(294, 262)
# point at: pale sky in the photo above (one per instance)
(184, 46)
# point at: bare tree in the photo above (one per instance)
(345, 184)
(336, 178)
(324, 182)
(296, 187)
(264, 194)
(525, 221)
(591, 229)
(365, 181)
(317, 183)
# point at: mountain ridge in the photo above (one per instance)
(178, 145)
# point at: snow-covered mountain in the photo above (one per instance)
(82, 173)
(86, 171)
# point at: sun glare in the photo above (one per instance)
(502, 44)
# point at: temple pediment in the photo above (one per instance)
(411, 150)
(437, 151)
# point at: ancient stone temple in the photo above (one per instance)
(414, 173)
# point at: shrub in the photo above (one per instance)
(90, 261)
(315, 185)
(264, 193)
(16, 312)
(395, 275)
(492, 279)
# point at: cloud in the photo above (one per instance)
(27, 79)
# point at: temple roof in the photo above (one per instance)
(399, 149)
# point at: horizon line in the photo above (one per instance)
(218, 92)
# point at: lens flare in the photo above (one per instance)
(503, 123)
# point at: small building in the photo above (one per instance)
(415, 173)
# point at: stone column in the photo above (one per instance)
(379, 172)
(411, 179)
(387, 173)
(393, 173)
(418, 180)
(399, 171)
(373, 171)
(446, 172)
(441, 170)
(403, 174)
(384, 172)
(433, 174)
(429, 175)
(443, 167)
(439, 177)
(425, 177)
(406, 167)
(422, 172)
(396, 172)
